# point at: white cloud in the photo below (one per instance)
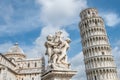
(77, 63)
(61, 12)
(31, 51)
(111, 18)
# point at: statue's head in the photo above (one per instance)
(68, 40)
(58, 33)
(50, 37)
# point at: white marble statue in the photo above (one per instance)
(56, 50)
(49, 45)
(63, 49)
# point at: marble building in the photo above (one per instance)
(14, 65)
(98, 59)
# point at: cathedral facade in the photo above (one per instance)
(14, 65)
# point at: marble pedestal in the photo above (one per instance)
(58, 75)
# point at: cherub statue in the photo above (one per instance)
(57, 50)
(49, 45)
(63, 54)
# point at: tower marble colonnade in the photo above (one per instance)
(98, 59)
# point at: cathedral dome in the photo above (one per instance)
(15, 49)
(15, 52)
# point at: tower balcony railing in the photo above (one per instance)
(98, 56)
(93, 46)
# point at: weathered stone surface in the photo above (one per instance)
(98, 59)
(56, 50)
(58, 75)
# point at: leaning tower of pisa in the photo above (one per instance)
(99, 62)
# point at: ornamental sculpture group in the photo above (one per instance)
(56, 50)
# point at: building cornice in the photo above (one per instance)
(7, 59)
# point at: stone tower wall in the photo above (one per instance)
(99, 62)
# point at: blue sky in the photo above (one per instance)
(28, 22)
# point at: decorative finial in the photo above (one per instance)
(16, 44)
